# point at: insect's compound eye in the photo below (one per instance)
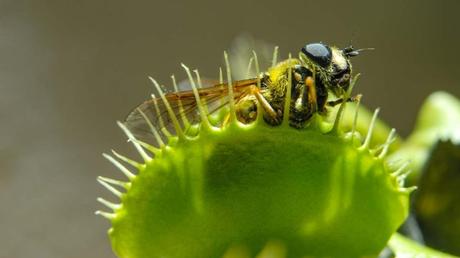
(318, 53)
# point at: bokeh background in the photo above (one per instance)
(70, 69)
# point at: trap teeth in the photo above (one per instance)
(171, 114)
(118, 165)
(125, 159)
(203, 116)
(390, 139)
(232, 118)
(135, 142)
(108, 204)
(401, 170)
(153, 130)
(110, 188)
(370, 131)
(107, 215)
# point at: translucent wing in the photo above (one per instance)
(152, 115)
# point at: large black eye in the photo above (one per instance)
(318, 53)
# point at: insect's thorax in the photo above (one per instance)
(304, 101)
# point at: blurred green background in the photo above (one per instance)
(70, 69)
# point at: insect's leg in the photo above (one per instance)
(312, 97)
(334, 103)
(265, 105)
(246, 110)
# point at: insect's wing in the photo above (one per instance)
(153, 114)
(151, 119)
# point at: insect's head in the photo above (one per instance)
(331, 64)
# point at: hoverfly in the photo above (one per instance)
(319, 70)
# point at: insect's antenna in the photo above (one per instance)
(350, 52)
(287, 98)
(352, 38)
(275, 56)
(185, 121)
(365, 49)
(231, 96)
(172, 116)
(203, 115)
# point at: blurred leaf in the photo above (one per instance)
(437, 202)
(439, 119)
(406, 248)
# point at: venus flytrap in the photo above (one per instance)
(222, 188)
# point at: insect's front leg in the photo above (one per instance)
(312, 97)
(272, 114)
(308, 96)
(336, 102)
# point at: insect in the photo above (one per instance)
(319, 71)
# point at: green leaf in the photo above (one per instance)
(437, 200)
